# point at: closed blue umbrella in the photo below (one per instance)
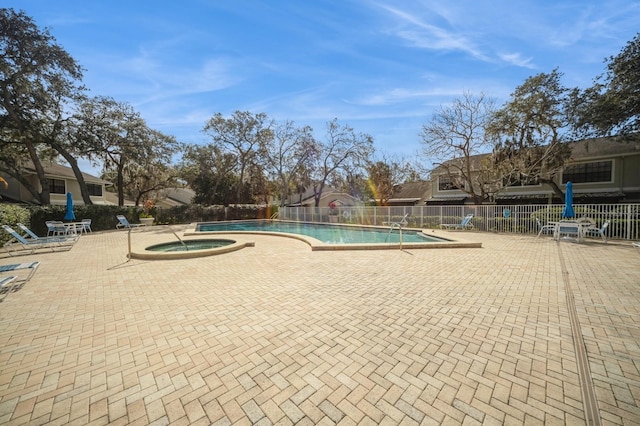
(69, 215)
(568, 202)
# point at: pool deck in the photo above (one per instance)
(524, 330)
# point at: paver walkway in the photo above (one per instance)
(278, 334)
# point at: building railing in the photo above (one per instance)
(624, 219)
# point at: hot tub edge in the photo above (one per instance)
(191, 254)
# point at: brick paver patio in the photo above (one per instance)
(278, 334)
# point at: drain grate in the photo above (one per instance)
(589, 401)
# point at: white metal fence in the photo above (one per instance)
(624, 219)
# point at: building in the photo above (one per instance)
(602, 170)
(329, 196)
(410, 194)
(61, 180)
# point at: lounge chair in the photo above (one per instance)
(545, 229)
(31, 266)
(6, 285)
(30, 245)
(124, 223)
(464, 224)
(597, 232)
(30, 235)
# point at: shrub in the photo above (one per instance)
(12, 214)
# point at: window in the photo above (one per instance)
(57, 186)
(599, 171)
(520, 180)
(445, 183)
(94, 190)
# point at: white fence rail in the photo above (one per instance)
(624, 219)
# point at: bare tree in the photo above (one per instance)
(341, 148)
(288, 153)
(454, 137)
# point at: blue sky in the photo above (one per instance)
(381, 66)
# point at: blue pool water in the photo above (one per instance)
(328, 234)
(189, 245)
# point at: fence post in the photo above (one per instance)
(628, 221)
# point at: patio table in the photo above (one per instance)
(570, 228)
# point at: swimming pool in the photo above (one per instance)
(331, 237)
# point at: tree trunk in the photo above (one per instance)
(84, 191)
(43, 196)
(120, 184)
(554, 186)
(317, 193)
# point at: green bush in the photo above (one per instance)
(103, 217)
(554, 214)
(12, 214)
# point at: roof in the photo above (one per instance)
(65, 172)
(179, 196)
(446, 201)
(580, 150)
(112, 198)
(604, 147)
(309, 194)
(411, 192)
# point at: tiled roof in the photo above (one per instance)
(58, 170)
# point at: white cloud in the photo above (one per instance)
(517, 60)
(424, 35)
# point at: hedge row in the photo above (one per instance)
(104, 217)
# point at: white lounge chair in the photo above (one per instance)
(18, 243)
(31, 266)
(464, 224)
(30, 235)
(124, 223)
(6, 285)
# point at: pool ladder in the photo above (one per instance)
(391, 228)
(398, 225)
(186, 248)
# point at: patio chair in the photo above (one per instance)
(86, 226)
(55, 228)
(597, 232)
(29, 245)
(31, 266)
(546, 229)
(464, 224)
(124, 223)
